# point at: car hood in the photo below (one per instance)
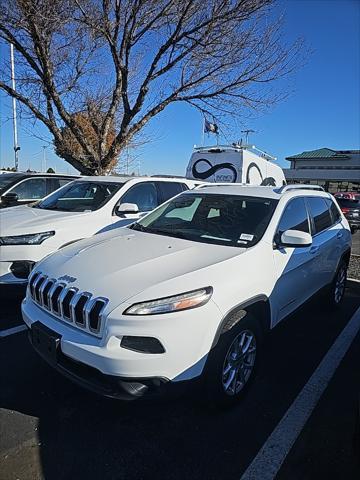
(120, 265)
(23, 219)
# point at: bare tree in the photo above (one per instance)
(96, 71)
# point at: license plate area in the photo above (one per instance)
(45, 341)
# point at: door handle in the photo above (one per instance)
(339, 235)
(314, 250)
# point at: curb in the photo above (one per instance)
(353, 280)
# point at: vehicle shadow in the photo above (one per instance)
(81, 435)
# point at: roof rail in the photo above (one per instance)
(171, 176)
(223, 184)
(288, 188)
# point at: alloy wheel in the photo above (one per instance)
(239, 362)
(340, 285)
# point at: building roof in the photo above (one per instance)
(321, 153)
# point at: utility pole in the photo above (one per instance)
(13, 85)
(43, 163)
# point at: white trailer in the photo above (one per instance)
(234, 164)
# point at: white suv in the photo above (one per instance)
(78, 210)
(190, 290)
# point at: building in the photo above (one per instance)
(335, 170)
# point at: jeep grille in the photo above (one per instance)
(80, 309)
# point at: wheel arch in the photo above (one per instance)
(345, 257)
(258, 306)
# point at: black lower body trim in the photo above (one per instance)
(92, 379)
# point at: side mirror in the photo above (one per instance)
(127, 208)
(9, 198)
(295, 238)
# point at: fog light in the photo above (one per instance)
(142, 344)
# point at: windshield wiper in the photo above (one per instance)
(158, 231)
(138, 226)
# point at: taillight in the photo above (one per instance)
(345, 210)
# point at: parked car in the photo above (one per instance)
(350, 206)
(22, 188)
(189, 290)
(77, 210)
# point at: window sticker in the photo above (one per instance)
(246, 236)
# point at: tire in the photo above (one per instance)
(353, 230)
(337, 287)
(227, 378)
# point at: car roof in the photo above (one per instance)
(124, 178)
(38, 174)
(261, 191)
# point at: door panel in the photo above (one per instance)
(326, 238)
(295, 267)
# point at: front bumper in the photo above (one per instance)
(92, 379)
(101, 364)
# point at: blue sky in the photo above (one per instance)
(323, 109)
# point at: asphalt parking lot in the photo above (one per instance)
(51, 429)
(356, 243)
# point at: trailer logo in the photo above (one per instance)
(254, 171)
(228, 174)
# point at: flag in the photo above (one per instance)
(210, 127)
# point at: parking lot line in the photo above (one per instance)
(271, 456)
(12, 331)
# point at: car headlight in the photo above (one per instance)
(184, 301)
(30, 239)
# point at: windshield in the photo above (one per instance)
(7, 179)
(80, 196)
(220, 219)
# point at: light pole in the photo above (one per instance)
(13, 85)
(43, 163)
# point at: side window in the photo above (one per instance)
(170, 189)
(31, 189)
(64, 181)
(144, 195)
(320, 212)
(53, 184)
(335, 214)
(295, 217)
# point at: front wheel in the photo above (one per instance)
(232, 362)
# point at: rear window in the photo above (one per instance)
(334, 211)
(320, 212)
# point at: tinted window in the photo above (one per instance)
(219, 219)
(80, 196)
(170, 189)
(55, 183)
(320, 212)
(31, 189)
(6, 179)
(295, 217)
(144, 195)
(334, 211)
